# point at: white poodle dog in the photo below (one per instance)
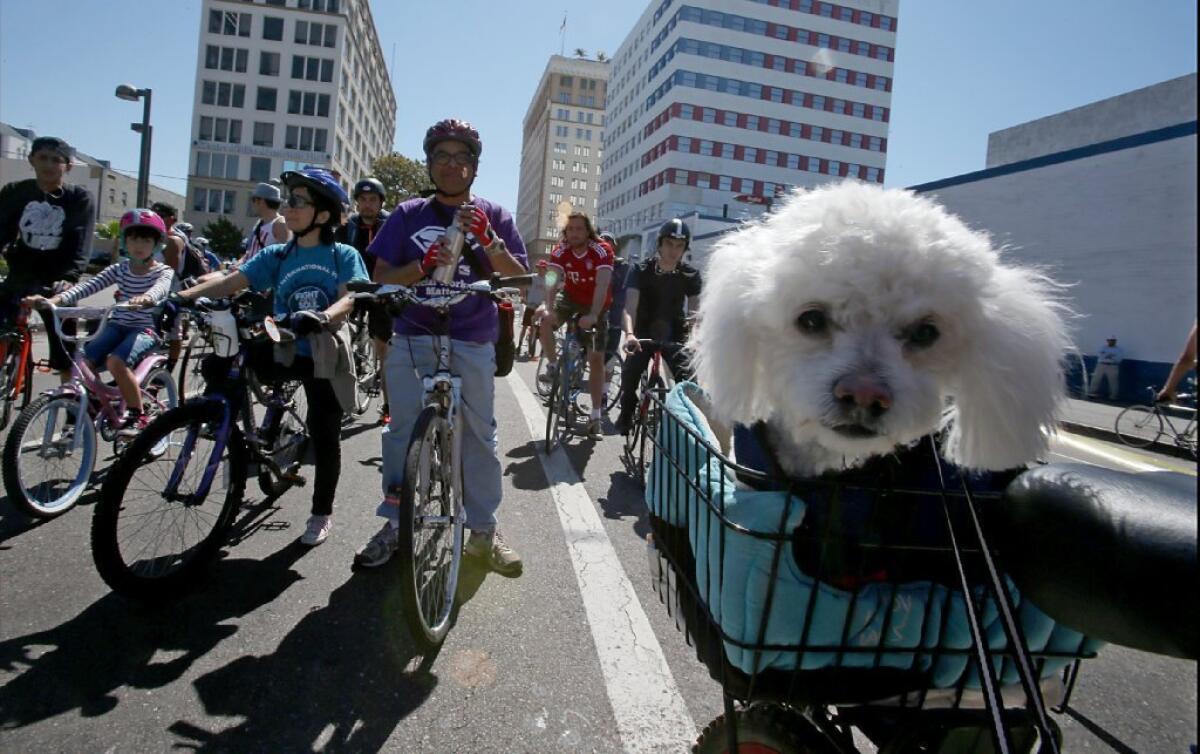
(850, 317)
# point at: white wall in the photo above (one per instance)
(1120, 227)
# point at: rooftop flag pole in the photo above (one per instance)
(562, 34)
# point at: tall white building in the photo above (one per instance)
(713, 102)
(281, 84)
(562, 145)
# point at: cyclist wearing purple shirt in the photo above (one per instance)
(409, 247)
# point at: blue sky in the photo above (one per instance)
(963, 70)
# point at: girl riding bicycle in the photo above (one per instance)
(309, 276)
(140, 281)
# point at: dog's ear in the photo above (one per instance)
(723, 345)
(1011, 385)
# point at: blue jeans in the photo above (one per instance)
(127, 343)
(409, 359)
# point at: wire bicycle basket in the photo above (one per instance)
(841, 598)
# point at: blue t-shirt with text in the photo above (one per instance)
(304, 279)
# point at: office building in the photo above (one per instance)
(562, 145)
(282, 84)
(717, 108)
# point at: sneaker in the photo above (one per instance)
(380, 548)
(490, 545)
(547, 376)
(317, 530)
(134, 425)
(594, 430)
(385, 415)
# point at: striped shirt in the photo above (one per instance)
(156, 284)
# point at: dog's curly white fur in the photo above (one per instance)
(847, 318)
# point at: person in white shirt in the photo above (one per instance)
(271, 228)
(1108, 367)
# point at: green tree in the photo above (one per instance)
(224, 238)
(580, 52)
(108, 230)
(402, 177)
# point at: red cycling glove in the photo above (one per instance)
(480, 227)
(430, 261)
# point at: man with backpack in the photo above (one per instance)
(186, 261)
(359, 231)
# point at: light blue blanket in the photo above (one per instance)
(923, 615)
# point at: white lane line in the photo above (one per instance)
(650, 712)
(1112, 457)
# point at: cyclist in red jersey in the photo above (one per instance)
(578, 283)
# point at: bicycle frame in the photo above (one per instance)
(24, 355)
(100, 401)
(234, 399)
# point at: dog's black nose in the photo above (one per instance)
(863, 393)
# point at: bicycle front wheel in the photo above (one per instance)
(168, 502)
(1139, 426)
(287, 434)
(431, 531)
(49, 456)
(191, 374)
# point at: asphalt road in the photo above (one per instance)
(285, 649)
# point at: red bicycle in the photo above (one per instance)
(16, 377)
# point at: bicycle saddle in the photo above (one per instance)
(1109, 553)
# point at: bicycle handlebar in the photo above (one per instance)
(450, 293)
(84, 314)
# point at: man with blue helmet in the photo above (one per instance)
(309, 275)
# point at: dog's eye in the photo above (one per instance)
(813, 322)
(923, 335)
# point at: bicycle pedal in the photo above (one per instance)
(292, 474)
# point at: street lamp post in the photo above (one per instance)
(133, 94)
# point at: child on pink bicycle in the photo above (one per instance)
(141, 281)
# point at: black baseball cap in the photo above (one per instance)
(52, 144)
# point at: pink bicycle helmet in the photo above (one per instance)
(143, 218)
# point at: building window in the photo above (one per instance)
(260, 169)
(565, 81)
(750, 154)
(268, 64)
(272, 28)
(266, 98)
(264, 134)
(229, 23)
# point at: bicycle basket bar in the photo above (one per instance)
(1012, 630)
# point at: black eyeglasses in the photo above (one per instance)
(298, 202)
(460, 159)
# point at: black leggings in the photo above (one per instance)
(635, 366)
(324, 421)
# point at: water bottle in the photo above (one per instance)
(454, 238)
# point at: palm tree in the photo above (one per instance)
(580, 52)
(601, 57)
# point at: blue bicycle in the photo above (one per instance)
(164, 514)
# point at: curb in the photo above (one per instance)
(1111, 436)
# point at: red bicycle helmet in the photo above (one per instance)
(453, 129)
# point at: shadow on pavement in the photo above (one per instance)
(625, 500)
(15, 522)
(341, 680)
(115, 644)
(527, 474)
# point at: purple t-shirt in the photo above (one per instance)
(411, 229)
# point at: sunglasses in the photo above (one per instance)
(298, 202)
